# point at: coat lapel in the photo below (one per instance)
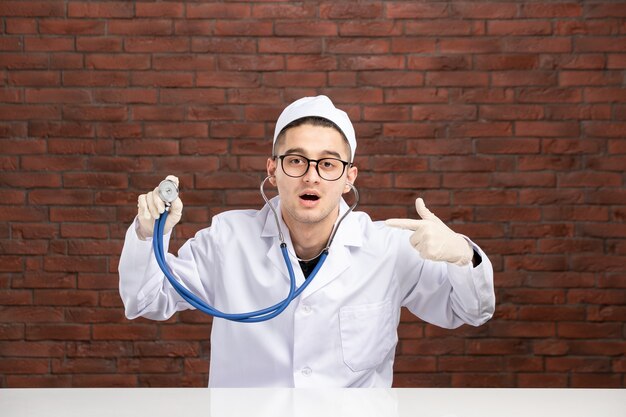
(338, 261)
(339, 258)
(274, 253)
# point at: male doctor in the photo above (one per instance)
(342, 330)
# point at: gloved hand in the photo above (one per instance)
(433, 239)
(150, 206)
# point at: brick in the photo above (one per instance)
(591, 380)
(370, 28)
(522, 329)
(351, 11)
(551, 313)
(161, 9)
(117, 61)
(413, 45)
(518, 27)
(356, 46)
(134, 27)
(156, 44)
(176, 130)
(523, 78)
(497, 347)
(541, 380)
(57, 332)
(71, 27)
(149, 365)
(616, 61)
(216, 10)
(244, 28)
(470, 10)
(551, 129)
(309, 63)
(97, 349)
(404, 10)
(107, 9)
(570, 146)
(124, 332)
(34, 231)
(23, 366)
(537, 263)
(552, 10)
(305, 28)
(550, 95)
(185, 332)
(605, 129)
(20, 26)
(293, 79)
(34, 78)
(387, 62)
(600, 44)
(95, 79)
(284, 11)
(505, 62)
(574, 78)
(30, 180)
(74, 264)
(224, 45)
(435, 147)
(589, 179)
(32, 8)
(587, 330)
(67, 61)
(162, 79)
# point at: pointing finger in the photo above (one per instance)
(408, 224)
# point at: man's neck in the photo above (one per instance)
(309, 239)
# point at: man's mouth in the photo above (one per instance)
(309, 197)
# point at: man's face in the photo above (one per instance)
(310, 199)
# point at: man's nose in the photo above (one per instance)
(311, 174)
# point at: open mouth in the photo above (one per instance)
(309, 197)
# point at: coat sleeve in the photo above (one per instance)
(145, 290)
(445, 294)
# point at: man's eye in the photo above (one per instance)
(295, 161)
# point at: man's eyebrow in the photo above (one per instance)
(301, 151)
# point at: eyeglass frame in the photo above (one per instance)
(308, 165)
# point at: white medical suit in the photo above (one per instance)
(342, 330)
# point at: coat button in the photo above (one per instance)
(307, 371)
(306, 309)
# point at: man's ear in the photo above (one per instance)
(352, 174)
(271, 170)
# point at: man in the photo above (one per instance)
(342, 330)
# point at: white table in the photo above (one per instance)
(270, 402)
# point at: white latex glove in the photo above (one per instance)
(433, 239)
(150, 206)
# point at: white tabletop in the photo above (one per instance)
(270, 402)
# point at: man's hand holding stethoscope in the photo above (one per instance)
(152, 205)
(433, 239)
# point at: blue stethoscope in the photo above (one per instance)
(168, 191)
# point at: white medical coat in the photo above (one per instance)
(342, 330)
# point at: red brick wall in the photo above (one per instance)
(509, 118)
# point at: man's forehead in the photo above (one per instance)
(315, 139)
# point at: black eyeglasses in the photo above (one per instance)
(296, 166)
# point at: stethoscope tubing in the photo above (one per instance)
(248, 317)
(252, 316)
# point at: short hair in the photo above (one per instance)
(313, 121)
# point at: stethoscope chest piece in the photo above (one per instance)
(168, 191)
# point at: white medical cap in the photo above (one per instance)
(319, 106)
